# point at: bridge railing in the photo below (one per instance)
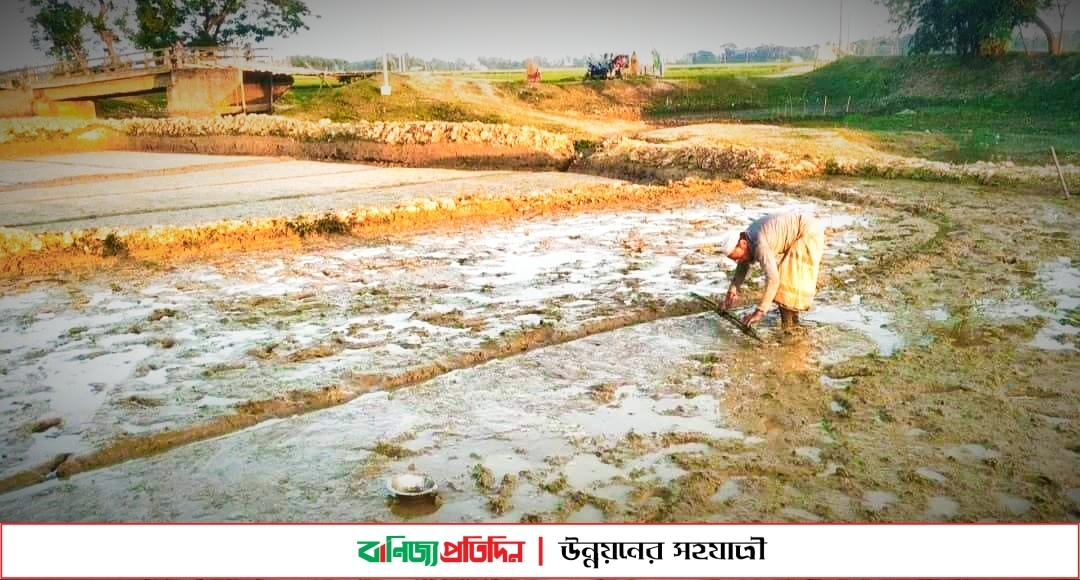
(148, 61)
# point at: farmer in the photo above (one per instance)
(788, 246)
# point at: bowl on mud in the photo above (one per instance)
(411, 485)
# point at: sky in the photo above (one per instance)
(552, 28)
(451, 29)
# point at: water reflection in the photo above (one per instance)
(412, 508)
(796, 354)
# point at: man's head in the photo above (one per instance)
(735, 246)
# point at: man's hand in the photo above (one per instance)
(730, 298)
(754, 317)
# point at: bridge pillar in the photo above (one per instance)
(203, 92)
(16, 103)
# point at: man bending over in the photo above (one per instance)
(789, 247)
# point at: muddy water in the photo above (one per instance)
(28, 170)
(1062, 281)
(1056, 303)
(87, 362)
(559, 420)
(141, 190)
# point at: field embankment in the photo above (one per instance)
(764, 154)
(760, 155)
(469, 145)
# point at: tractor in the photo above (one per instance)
(611, 67)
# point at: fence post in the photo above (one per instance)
(1061, 175)
(243, 91)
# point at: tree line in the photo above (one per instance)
(764, 53)
(65, 29)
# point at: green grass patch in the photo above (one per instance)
(145, 106)
(362, 100)
(942, 108)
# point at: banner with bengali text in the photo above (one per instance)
(399, 550)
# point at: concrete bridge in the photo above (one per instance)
(198, 82)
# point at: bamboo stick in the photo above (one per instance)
(747, 330)
(1061, 175)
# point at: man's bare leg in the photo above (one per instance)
(788, 318)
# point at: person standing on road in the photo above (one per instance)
(789, 248)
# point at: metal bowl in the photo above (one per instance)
(411, 485)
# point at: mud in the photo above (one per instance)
(947, 408)
(94, 190)
(529, 417)
(21, 172)
(142, 351)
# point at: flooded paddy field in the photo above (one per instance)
(111, 356)
(580, 432)
(138, 190)
(120, 355)
(934, 379)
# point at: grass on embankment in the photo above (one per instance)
(362, 100)
(942, 108)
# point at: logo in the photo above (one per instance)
(469, 549)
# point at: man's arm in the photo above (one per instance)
(736, 281)
(739, 276)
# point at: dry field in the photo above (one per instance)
(266, 336)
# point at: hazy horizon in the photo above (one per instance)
(486, 28)
(470, 29)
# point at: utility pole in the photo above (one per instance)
(385, 90)
(385, 76)
(840, 38)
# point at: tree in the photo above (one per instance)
(160, 23)
(57, 28)
(68, 19)
(1027, 12)
(968, 27)
(962, 26)
(1062, 6)
(702, 57)
(102, 16)
(157, 24)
